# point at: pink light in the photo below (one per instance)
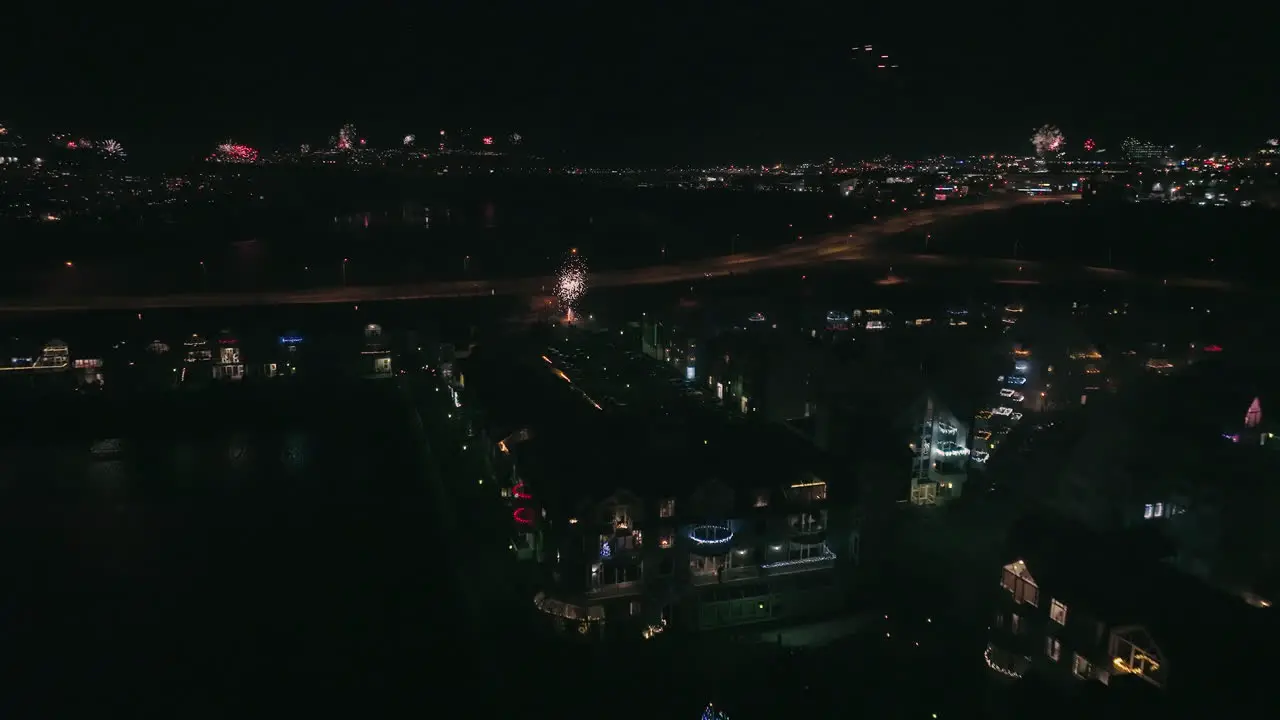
(1213, 348)
(487, 140)
(361, 141)
(518, 491)
(523, 515)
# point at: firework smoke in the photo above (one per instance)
(571, 283)
(1048, 139)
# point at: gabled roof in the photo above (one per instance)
(1124, 581)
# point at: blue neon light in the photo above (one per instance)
(290, 339)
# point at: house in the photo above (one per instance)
(229, 363)
(646, 525)
(375, 356)
(1075, 608)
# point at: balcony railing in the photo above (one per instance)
(622, 589)
(787, 567)
(724, 576)
(820, 561)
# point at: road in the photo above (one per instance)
(850, 245)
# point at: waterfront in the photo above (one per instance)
(274, 541)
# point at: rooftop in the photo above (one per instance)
(1122, 579)
(591, 457)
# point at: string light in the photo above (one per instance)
(826, 555)
(986, 656)
(710, 534)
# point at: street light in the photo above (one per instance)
(344, 270)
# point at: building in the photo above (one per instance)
(1076, 608)
(229, 363)
(375, 356)
(940, 465)
(1145, 153)
(641, 527)
(757, 369)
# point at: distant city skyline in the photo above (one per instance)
(699, 86)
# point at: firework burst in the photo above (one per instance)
(347, 137)
(409, 140)
(232, 152)
(1048, 139)
(571, 283)
(111, 148)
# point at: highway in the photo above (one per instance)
(860, 243)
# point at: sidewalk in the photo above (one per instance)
(817, 634)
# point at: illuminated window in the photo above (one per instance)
(1052, 648)
(667, 508)
(1159, 510)
(1148, 512)
(1080, 667)
(1058, 612)
(635, 607)
(1015, 623)
(807, 522)
(808, 491)
(666, 540)
(1018, 581)
(762, 499)
(621, 517)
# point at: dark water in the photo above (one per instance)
(525, 230)
(484, 232)
(244, 544)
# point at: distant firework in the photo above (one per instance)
(111, 148)
(347, 137)
(1089, 145)
(1048, 139)
(571, 283)
(304, 149)
(409, 140)
(516, 138)
(487, 140)
(231, 152)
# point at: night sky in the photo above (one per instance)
(752, 82)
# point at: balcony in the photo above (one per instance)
(728, 575)
(824, 559)
(622, 589)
